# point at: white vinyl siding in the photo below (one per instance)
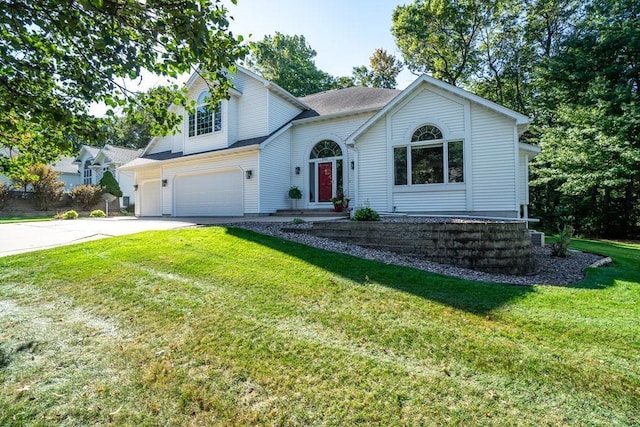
(275, 174)
(428, 104)
(217, 163)
(280, 112)
(162, 143)
(493, 152)
(432, 201)
(372, 168)
(252, 109)
(126, 182)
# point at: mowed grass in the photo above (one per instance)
(11, 219)
(217, 326)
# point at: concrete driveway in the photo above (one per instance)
(22, 237)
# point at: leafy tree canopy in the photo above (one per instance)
(439, 36)
(288, 62)
(58, 57)
(590, 165)
(383, 71)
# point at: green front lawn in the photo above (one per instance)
(217, 326)
(10, 219)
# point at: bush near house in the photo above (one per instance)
(366, 214)
(69, 215)
(97, 214)
(87, 196)
(46, 187)
(110, 185)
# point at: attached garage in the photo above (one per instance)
(209, 194)
(151, 198)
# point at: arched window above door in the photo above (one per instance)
(324, 149)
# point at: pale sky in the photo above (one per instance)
(344, 33)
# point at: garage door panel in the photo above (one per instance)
(212, 194)
(151, 195)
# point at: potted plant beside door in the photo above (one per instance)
(295, 194)
(340, 202)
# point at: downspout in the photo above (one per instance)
(356, 168)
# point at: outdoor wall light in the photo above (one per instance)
(164, 182)
(297, 170)
(135, 187)
(353, 165)
(249, 174)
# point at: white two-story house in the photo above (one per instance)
(431, 149)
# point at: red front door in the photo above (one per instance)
(325, 181)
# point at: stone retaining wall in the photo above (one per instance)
(496, 247)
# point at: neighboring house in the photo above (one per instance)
(68, 171)
(92, 162)
(430, 149)
(65, 167)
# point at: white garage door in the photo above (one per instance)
(151, 198)
(211, 194)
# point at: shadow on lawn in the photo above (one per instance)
(474, 297)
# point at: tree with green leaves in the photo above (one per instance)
(288, 62)
(440, 37)
(383, 71)
(589, 171)
(110, 185)
(59, 57)
(135, 128)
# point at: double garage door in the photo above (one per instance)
(209, 194)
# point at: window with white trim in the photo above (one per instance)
(87, 173)
(205, 120)
(427, 157)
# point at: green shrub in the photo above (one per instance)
(5, 194)
(298, 221)
(110, 185)
(87, 196)
(561, 247)
(70, 215)
(366, 214)
(97, 214)
(131, 208)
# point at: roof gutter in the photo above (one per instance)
(335, 116)
(218, 153)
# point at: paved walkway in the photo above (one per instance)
(22, 237)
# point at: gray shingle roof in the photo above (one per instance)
(92, 150)
(348, 99)
(120, 155)
(65, 165)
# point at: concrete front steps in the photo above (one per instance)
(301, 213)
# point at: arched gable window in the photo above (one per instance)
(426, 133)
(205, 120)
(426, 157)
